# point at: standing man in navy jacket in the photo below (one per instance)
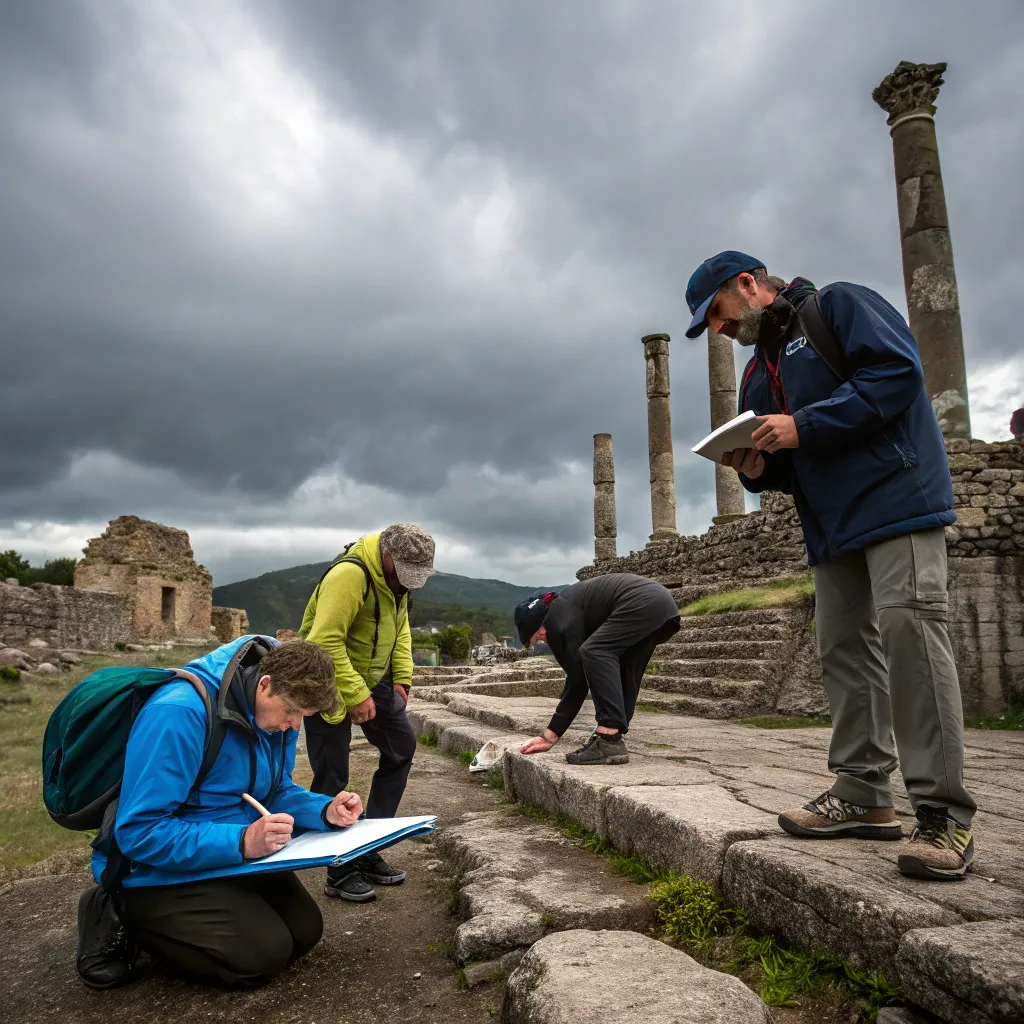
(861, 453)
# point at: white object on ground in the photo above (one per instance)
(487, 756)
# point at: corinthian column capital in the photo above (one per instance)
(910, 90)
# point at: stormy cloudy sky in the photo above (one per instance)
(284, 272)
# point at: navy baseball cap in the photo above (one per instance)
(707, 279)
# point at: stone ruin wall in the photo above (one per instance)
(66, 618)
(141, 559)
(986, 566)
(229, 623)
(119, 596)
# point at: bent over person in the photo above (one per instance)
(238, 930)
(359, 614)
(602, 632)
(849, 431)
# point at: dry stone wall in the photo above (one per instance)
(229, 623)
(64, 617)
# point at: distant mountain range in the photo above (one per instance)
(276, 600)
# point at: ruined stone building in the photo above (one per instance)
(985, 546)
(138, 582)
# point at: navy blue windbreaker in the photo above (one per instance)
(871, 462)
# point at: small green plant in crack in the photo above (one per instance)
(652, 669)
(660, 746)
(466, 757)
(496, 778)
(443, 947)
(427, 739)
(653, 708)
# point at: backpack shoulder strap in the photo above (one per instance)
(821, 338)
(356, 560)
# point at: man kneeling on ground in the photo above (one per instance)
(238, 930)
(602, 632)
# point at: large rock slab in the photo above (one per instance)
(519, 879)
(580, 791)
(580, 976)
(825, 906)
(972, 974)
(685, 828)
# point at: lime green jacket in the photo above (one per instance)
(341, 622)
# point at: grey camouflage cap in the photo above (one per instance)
(412, 550)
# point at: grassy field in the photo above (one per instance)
(799, 590)
(30, 843)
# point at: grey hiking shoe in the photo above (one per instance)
(600, 750)
(939, 847)
(828, 817)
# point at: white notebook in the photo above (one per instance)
(729, 436)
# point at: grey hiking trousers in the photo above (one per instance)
(887, 666)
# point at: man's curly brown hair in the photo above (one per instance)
(303, 674)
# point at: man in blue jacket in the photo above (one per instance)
(859, 449)
(242, 929)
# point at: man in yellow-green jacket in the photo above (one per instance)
(359, 614)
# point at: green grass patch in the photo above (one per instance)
(652, 708)
(10, 674)
(786, 722)
(496, 777)
(466, 757)
(660, 746)
(427, 739)
(1011, 718)
(652, 669)
(780, 594)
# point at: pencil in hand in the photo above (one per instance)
(255, 803)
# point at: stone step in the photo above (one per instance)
(760, 616)
(695, 707)
(708, 628)
(540, 687)
(713, 648)
(751, 691)
(574, 977)
(730, 668)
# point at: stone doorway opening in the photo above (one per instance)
(168, 596)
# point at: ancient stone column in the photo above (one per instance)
(604, 499)
(659, 439)
(722, 384)
(908, 96)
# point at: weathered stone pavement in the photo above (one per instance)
(702, 797)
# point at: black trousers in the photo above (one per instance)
(390, 732)
(239, 931)
(614, 705)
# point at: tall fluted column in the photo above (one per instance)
(659, 438)
(604, 499)
(722, 384)
(908, 96)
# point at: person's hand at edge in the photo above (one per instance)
(363, 711)
(545, 741)
(748, 461)
(267, 835)
(344, 809)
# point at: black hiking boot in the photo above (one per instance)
(106, 952)
(600, 750)
(374, 868)
(347, 883)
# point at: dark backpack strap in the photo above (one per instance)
(821, 338)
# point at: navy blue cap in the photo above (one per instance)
(707, 279)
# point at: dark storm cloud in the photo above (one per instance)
(416, 244)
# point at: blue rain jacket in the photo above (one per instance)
(172, 834)
(871, 462)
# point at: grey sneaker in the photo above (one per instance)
(939, 847)
(600, 750)
(828, 817)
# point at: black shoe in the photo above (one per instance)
(600, 749)
(374, 868)
(347, 883)
(106, 952)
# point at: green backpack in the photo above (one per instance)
(87, 735)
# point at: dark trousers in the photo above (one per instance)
(238, 931)
(390, 732)
(615, 695)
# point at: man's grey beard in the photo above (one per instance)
(748, 328)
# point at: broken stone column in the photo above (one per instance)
(604, 499)
(908, 96)
(659, 438)
(722, 384)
